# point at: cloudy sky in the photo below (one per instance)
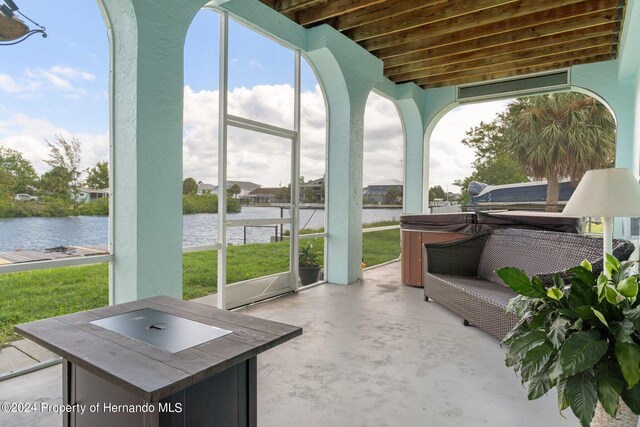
(58, 86)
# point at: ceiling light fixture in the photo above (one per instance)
(13, 30)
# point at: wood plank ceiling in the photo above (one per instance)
(450, 42)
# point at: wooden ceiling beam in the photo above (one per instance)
(439, 46)
(288, 6)
(541, 53)
(426, 16)
(541, 11)
(536, 25)
(386, 10)
(522, 66)
(515, 73)
(450, 55)
(322, 12)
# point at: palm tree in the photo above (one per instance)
(561, 135)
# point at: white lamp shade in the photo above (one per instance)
(605, 193)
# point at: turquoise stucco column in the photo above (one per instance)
(409, 100)
(419, 110)
(347, 74)
(621, 93)
(146, 44)
(437, 103)
(410, 103)
(601, 79)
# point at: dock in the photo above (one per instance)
(16, 257)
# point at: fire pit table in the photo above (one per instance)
(158, 362)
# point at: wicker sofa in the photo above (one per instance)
(460, 275)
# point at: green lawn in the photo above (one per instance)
(40, 294)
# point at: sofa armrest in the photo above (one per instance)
(459, 257)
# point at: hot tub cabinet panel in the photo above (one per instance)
(111, 379)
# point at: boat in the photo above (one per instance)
(534, 192)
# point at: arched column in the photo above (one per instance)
(347, 74)
(419, 110)
(411, 103)
(146, 48)
(621, 95)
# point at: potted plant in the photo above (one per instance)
(583, 339)
(308, 265)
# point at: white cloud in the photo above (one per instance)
(383, 141)
(72, 73)
(8, 84)
(58, 78)
(253, 63)
(265, 159)
(28, 134)
(449, 159)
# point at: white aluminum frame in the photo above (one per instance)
(268, 286)
(54, 263)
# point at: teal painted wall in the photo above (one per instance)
(146, 43)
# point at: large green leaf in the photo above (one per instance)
(582, 395)
(612, 295)
(633, 314)
(611, 264)
(557, 331)
(632, 398)
(623, 330)
(520, 328)
(568, 313)
(558, 282)
(628, 355)
(535, 360)
(627, 269)
(554, 293)
(561, 386)
(521, 346)
(628, 287)
(586, 313)
(600, 317)
(586, 265)
(540, 384)
(601, 286)
(518, 281)
(581, 351)
(610, 384)
(582, 293)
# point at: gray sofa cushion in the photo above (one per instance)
(481, 289)
(536, 253)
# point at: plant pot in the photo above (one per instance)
(308, 275)
(624, 417)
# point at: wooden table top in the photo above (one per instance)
(146, 370)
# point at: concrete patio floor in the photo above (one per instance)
(374, 354)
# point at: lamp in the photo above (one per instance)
(606, 193)
(12, 29)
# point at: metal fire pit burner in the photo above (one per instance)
(164, 330)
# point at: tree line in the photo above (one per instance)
(65, 177)
(552, 137)
(57, 189)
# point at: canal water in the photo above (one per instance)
(198, 229)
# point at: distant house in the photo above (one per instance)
(264, 195)
(206, 188)
(312, 191)
(246, 187)
(375, 193)
(86, 195)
